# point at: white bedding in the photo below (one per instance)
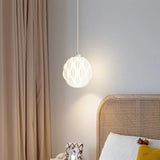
(120, 147)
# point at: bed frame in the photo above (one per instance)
(136, 115)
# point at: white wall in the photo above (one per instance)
(121, 39)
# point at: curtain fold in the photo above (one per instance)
(24, 90)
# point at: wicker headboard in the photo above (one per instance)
(137, 115)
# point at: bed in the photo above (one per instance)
(134, 115)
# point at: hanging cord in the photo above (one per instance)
(77, 26)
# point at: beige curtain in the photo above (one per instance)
(24, 99)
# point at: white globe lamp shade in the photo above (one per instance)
(77, 72)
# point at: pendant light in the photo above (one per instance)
(77, 71)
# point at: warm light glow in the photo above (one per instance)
(77, 72)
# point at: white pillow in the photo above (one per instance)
(153, 143)
(120, 147)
